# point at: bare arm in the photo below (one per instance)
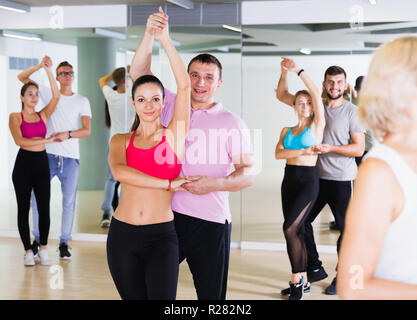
(282, 153)
(25, 74)
(181, 118)
(354, 149)
(125, 174)
(239, 179)
(141, 63)
(83, 132)
(51, 106)
(14, 125)
(368, 218)
(282, 90)
(105, 80)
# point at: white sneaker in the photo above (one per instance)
(29, 259)
(43, 255)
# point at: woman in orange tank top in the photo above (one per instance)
(142, 245)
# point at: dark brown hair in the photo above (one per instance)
(118, 76)
(333, 71)
(207, 58)
(140, 81)
(25, 87)
(63, 64)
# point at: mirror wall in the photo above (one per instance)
(314, 47)
(93, 55)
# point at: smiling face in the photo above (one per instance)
(148, 102)
(335, 86)
(303, 106)
(205, 80)
(30, 97)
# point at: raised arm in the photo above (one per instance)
(47, 111)
(181, 118)
(141, 63)
(318, 107)
(282, 90)
(24, 76)
(103, 81)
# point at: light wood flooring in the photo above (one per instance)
(253, 275)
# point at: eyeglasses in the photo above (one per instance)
(63, 74)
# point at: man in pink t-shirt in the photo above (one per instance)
(217, 139)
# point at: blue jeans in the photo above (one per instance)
(67, 171)
(108, 191)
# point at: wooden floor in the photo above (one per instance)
(253, 275)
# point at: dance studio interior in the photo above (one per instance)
(249, 38)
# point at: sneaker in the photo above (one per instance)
(306, 290)
(43, 255)
(297, 289)
(317, 274)
(331, 290)
(105, 221)
(35, 248)
(63, 252)
(29, 259)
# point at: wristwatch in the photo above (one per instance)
(70, 134)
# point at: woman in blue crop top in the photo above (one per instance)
(142, 245)
(299, 187)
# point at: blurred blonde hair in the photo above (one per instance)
(390, 87)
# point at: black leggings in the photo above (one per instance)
(31, 172)
(143, 260)
(299, 191)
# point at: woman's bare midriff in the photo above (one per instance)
(309, 161)
(143, 206)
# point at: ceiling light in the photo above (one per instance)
(223, 49)
(21, 35)
(131, 52)
(13, 6)
(174, 42)
(231, 28)
(109, 33)
(186, 4)
(373, 2)
(305, 51)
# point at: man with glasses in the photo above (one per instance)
(63, 156)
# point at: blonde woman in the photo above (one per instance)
(378, 257)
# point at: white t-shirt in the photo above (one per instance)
(66, 117)
(121, 112)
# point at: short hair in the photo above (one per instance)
(63, 64)
(334, 71)
(299, 93)
(118, 76)
(388, 91)
(358, 83)
(207, 58)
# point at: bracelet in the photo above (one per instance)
(299, 72)
(169, 186)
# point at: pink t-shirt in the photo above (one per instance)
(214, 137)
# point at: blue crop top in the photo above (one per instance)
(303, 140)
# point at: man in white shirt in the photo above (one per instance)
(63, 156)
(121, 118)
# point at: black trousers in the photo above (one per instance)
(206, 247)
(31, 172)
(299, 191)
(143, 260)
(337, 195)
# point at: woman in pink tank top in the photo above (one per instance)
(31, 169)
(142, 245)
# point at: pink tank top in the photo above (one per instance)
(33, 129)
(159, 161)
